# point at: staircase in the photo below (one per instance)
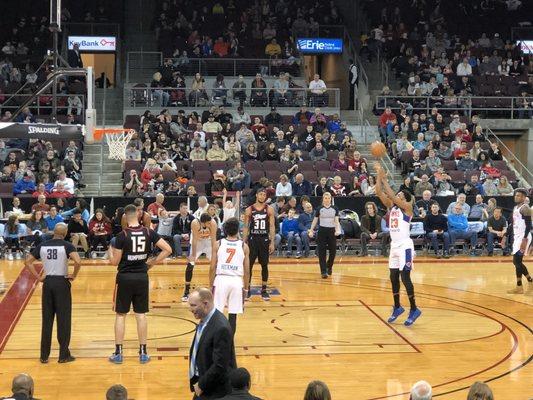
(366, 135)
(102, 176)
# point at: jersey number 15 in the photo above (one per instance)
(138, 244)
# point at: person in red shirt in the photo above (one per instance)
(99, 230)
(41, 204)
(354, 165)
(151, 169)
(59, 192)
(41, 190)
(221, 48)
(460, 152)
(157, 206)
(384, 119)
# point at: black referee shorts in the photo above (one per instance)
(259, 249)
(132, 288)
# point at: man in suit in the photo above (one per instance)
(74, 57)
(240, 385)
(212, 353)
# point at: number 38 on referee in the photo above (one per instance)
(56, 297)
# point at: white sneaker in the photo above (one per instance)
(18, 255)
(10, 256)
(94, 255)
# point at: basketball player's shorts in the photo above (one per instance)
(131, 289)
(259, 249)
(203, 246)
(517, 241)
(228, 293)
(402, 255)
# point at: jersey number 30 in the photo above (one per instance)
(138, 244)
(259, 224)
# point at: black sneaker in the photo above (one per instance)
(264, 295)
(66, 360)
(439, 255)
(446, 254)
(330, 270)
(490, 254)
(185, 297)
(43, 360)
(324, 276)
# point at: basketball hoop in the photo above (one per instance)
(118, 140)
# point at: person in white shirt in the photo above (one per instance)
(318, 88)
(464, 69)
(165, 161)
(241, 116)
(203, 205)
(68, 183)
(284, 187)
(74, 102)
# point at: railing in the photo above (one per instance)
(92, 28)
(144, 97)
(142, 65)
(384, 73)
(238, 66)
(43, 105)
(513, 162)
(501, 107)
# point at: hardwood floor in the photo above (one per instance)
(334, 330)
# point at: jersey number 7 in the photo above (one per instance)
(231, 253)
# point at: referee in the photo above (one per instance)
(56, 297)
(327, 218)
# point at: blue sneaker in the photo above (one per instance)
(413, 316)
(116, 358)
(144, 358)
(396, 312)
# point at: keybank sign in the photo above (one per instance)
(93, 43)
(319, 45)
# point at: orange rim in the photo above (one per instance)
(99, 133)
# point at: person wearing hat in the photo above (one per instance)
(56, 299)
(273, 118)
(239, 90)
(212, 126)
(497, 42)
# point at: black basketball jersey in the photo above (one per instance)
(259, 224)
(136, 244)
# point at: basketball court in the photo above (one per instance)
(334, 330)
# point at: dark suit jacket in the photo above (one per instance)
(215, 358)
(74, 60)
(240, 395)
(178, 227)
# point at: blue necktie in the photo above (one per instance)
(192, 365)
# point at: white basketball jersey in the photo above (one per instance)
(399, 226)
(230, 258)
(519, 224)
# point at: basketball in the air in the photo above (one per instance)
(378, 149)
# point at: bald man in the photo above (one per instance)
(212, 352)
(56, 298)
(421, 391)
(22, 388)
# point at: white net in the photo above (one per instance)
(118, 143)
